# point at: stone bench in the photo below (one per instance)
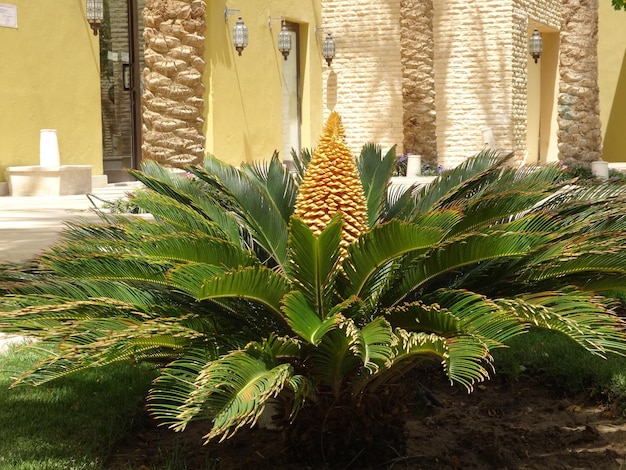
(64, 180)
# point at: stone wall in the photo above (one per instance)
(481, 73)
(458, 69)
(364, 83)
(580, 136)
(473, 76)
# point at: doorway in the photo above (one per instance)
(291, 97)
(121, 60)
(542, 88)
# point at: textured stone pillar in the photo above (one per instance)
(173, 103)
(579, 135)
(418, 78)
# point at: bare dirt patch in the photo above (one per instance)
(523, 424)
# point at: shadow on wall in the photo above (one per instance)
(614, 144)
(331, 90)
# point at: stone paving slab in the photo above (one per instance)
(29, 225)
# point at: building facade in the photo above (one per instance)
(439, 78)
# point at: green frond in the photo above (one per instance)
(305, 321)
(256, 284)
(190, 193)
(75, 231)
(375, 345)
(109, 266)
(382, 244)
(610, 259)
(185, 187)
(190, 277)
(400, 202)
(232, 390)
(302, 388)
(313, 262)
(535, 222)
(581, 316)
(470, 177)
(196, 248)
(279, 185)
(608, 282)
(41, 316)
(442, 219)
(375, 171)
(173, 246)
(424, 317)
(461, 356)
(182, 217)
(175, 383)
(96, 342)
(464, 362)
(461, 252)
(493, 208)
(301, 162)
(254, 206)
(478, 316)
(334, 360)
(277, 347)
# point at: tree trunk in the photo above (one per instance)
(173, 102)
(579, 135)
(418, 78)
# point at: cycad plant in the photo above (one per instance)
(320, 292)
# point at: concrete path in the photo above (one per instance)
(29, 225)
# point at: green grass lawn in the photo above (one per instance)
(72, 423)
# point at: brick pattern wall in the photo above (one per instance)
(418, 79)
(364, 83)
(481, 73)
(476, 60)
(462, 69)
(473, 76)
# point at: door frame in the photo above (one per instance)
(135, 81)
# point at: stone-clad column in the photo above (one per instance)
(418, 79)
(579, 135)
(173, 103)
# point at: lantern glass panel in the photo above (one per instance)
(95, 11)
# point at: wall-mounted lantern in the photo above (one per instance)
(535, 45)
(284, 38)
(240, 30)
(94, 14)
(284, 41)
(328, 49)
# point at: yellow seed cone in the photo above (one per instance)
(332, 185)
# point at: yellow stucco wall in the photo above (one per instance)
(244, 114)
(612, 81)
(49, 79)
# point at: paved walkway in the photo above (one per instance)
(29, 225)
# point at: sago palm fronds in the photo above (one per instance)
(249, 286)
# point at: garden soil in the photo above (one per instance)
(503, 424)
